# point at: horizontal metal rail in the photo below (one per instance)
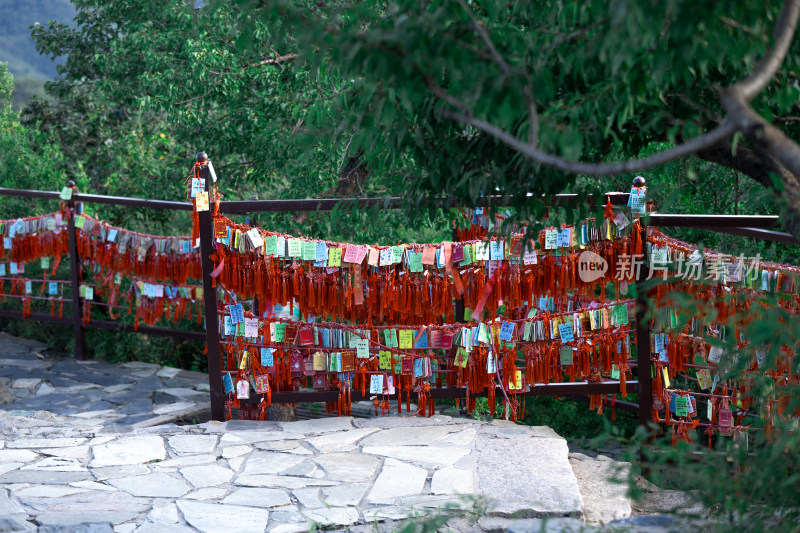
(232, 207)
(444, 393)
(713, 221)
(762, 234)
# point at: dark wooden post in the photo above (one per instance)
(75, 276)
(210, 300)
(459, 311)
(643, 328)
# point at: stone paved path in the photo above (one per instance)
(132, 394)
(78, 463)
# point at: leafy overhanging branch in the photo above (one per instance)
(769, 141)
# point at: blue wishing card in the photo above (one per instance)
(636, 199)
(659, 341)
(52, 288)
(326, 337)
(419, 368)
(491, 364)
(228, 382)
(496, 251)
(506, 331)
(565, 332)
(423, 341)
(237, 314)
(322, 252)
(267, 357)
(564, 238)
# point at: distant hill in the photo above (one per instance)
(17, 49)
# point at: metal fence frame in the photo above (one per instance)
(756, 226)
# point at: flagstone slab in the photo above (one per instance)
(25, 383)
(266, 498)
(74, 452)
(17, 456)
(304, 469)
(544, 484)
(47, 491)
(147, 527)
(604, 488)
(261, 462)
(115, 472)
(212, 518)
(72, 519)
(7, 507)
(287, 482)
(235, 451)
(289, 528)
(56, 464)
(174, 407)
(319, 425)
(88, 502)
(209, 493)
(129, 450)
(164, 513)
(235, 464)
(158, 485)
(453, 481)
(463, 437)
(308, 497)
(392, 512)
(333, 441)
(333, 516)
(189, 444)
(348, 467)
(288, 446)
(345, 495)
(54, 442)
(427, 455)
(92, 485)
(409, 436)
(249, 437)
(43, 476)
(397, 479)
(186, 460)
(207, 475)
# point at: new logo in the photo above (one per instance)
(591, 266)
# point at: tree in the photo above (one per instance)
(28, 158)
(145, 85)
(492, 95)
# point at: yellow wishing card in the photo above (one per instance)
(320, 361)
(334, 257)
(406, 339)
(201, 201)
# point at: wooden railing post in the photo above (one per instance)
(210, 300)
(643, 328)
(75, 277)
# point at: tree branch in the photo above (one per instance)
(277, 60)
(533, 116)
(486, 39)
(735, 99)
(753, 84)
(710, 138)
